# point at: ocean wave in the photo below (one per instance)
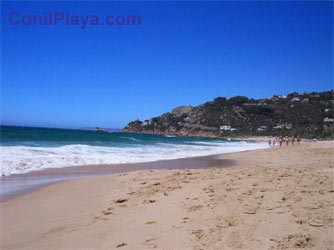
(23, 159)
(130, 138)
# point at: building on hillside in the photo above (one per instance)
(328, 120)
(147, 122)
(262, 129)
(283, 126)
(295, 99)
(228, 128)
(225, 128)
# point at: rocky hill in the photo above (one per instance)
(306, 114)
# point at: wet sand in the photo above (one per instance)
(277, 198)
(20, 184)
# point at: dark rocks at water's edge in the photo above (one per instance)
(305, 114)
(101, 130)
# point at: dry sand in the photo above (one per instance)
(279, 198)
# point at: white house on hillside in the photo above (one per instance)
(228, 128)
(328, 119)
(225, 128)
(262, 129)
(295, 99)
(147, 122)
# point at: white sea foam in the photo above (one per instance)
(22, 159)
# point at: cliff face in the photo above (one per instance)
(303, 114)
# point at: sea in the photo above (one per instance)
(25, 149)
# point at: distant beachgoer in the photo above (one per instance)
(287, 140)
(274, 142)
(298, 139)
(292, 140)
(280, 141)
(269, 142)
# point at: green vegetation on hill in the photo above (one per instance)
(306, 114)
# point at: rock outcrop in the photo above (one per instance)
(182, 110)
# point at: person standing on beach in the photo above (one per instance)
(269, 142)
(298, 139)
(280, 141)
(287, 140)
(292, 140)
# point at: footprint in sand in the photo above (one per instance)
(120, 200)
(316, 223)
(293, 241)
(198, 233)
(209, 189)
(150, 222)
(151, 243)
(185, 220)
(229, 221)
(103, 216)
(194, 208)
(250, 210)
(96, 219)
(149, 201)
(107, 212)
(121, 245)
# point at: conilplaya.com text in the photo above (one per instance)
(70, 19)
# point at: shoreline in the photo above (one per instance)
(37, 179)
(18, 184)
(25, 183)
(69, 154)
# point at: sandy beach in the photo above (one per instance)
(277, 198)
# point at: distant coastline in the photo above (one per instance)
(46, 127)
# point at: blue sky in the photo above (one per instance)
(183, 53)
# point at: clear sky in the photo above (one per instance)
(183, 53)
